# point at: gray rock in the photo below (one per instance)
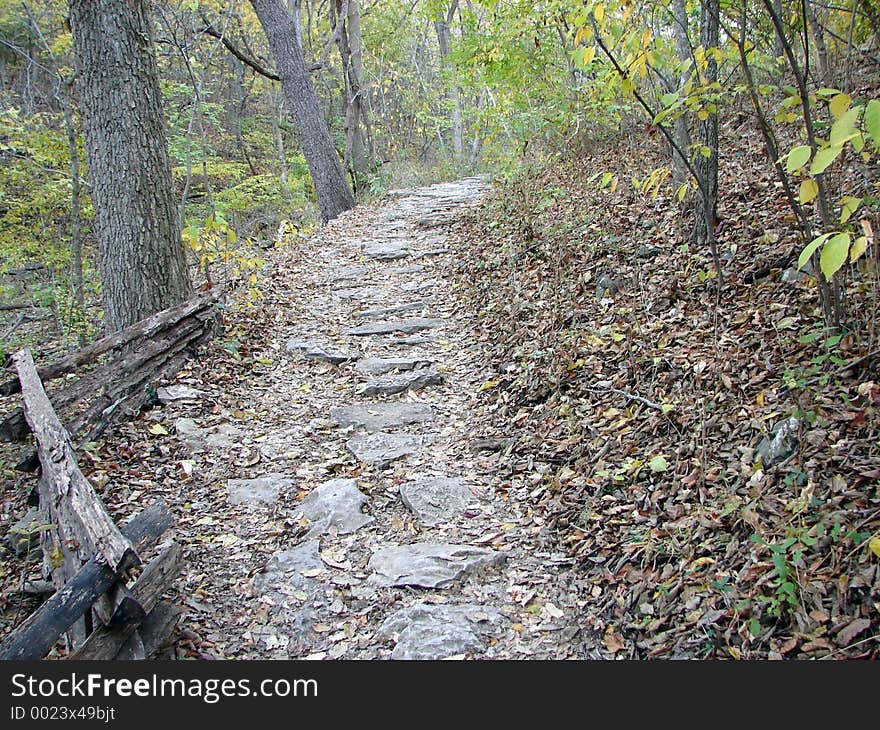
(378, 416)
(436, 500)
(426, 632)
(418, 286)
(284, 571)
(608, 286)
(366, 293)
(411, 269)
(336, 503)
(427, 565)
(412, 380)
(414, 340)
(178, 391)
(385, 311)
(263, 490)
(24, 536)
(386, 250)
(380, 366)
(433, 252)
(792, 275)
(190, 434)
(780, 445)
(383, 448)
(387, 327)
(351, 273)
(316, 350)
(226, 436)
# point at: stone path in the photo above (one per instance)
(394, 537)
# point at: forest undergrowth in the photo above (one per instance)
(643, 398)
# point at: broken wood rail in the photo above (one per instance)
(141, 355)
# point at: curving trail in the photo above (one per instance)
(341, 503)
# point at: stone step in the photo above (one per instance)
(436, 500)
(387, 327)
(392, 384)
(429, 565)
(382, 448)
(319, 350)
(380, 366)
(335, 504)
(379, 416)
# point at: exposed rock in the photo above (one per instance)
(378, 416)
(365, 293)
(226, 436)
(437, 499)
(433, 252)
(780, 445)
(414, 340)
(316, 350)
(387, 327)
(489, 444)
(350, 273)
(24, 536)
(263, 490)
(428, 565)
(190, 434)
(380, 366)
(411, 269)
(608, 286)
(426, 632)
(385, 311)
(412, 380)
(418, 286)
(335, 504)
(386, 250)
(178, 391)
(382, 448)
(792, 275)
(291, 570)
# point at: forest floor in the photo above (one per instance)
(522, 424)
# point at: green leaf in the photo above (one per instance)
(849, 205)
(834, 254)
(823, 158)
(844, 129)
(797, 158)
(658, 464)
(706, 151)
(860, 245)
(809, 190)
(872, 121)
(839, 104)
(754, 626)
(811, 249)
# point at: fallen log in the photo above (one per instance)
(39, 632)
(145, 329)
(71, 501)
(106, 641)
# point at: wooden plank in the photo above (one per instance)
(145, 329)
(74, 507)
(106, 641)
(38, 634)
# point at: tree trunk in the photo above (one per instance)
(142, 261)
(358, 140)
(454, 93)
(681, 133)
(282, 32)
(707, 167)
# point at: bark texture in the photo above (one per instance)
(142, 261)
(283, 33)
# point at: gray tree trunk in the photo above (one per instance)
(707, 167)
(282, 32)
(681, 133)
(142, 261)
(454, 94)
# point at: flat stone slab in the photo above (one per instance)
(335, 504)
(411, 380)
(381, 366)
(178, 391)
(428, 565)
(263, 490)
(291, 570)
(363, 293)
(436, 500)
(386, 250)
(426, 632)
(387, 327)
(379, 416)
(385, 311)
(190, 434)
(317, 350)
(411, 269)
(383, 448)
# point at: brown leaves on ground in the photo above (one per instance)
(640, 403)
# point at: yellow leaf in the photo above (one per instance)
(874, 544)
(599, 13)
(158, 430)
(488, 385)
(759, 399)
(860, 245)
(589, 55)
(809, 190)
(838, 105)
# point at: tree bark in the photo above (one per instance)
(282, 32)
(681, 132)
(707, 167)
(142, 261)
(454, 94)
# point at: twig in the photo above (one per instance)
(631, 396)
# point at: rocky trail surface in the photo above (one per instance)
(337, 497)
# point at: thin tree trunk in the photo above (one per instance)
(282, 31)
(680, 174)
(142, 262)
(707, 167)
(454, 92)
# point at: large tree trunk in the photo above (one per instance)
(142, 261)
(681, 132)
(707, 167)
(454, 94)
(282, 31)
